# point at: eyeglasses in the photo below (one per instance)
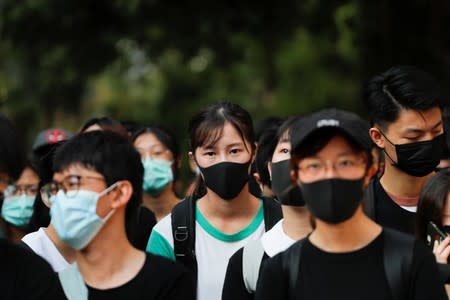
(347, 167)
(69, 183)
(16, 189)
(155, 152)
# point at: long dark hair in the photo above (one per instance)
(166, 138)
(206, 128)
(432, 202)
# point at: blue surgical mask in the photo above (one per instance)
(74, 216)
(157, 175)
(18, 210)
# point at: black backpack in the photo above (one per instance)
(183, 228)
(369, 200)
(398, 256)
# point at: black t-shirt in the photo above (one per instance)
(24, 275)
(146, 221)
(390, 214)
(159, 278)
(234, 286)
(355, 275)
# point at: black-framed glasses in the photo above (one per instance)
(69, 183)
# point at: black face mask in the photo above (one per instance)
(286, 191)
(226, 179)
(420, 158)
(333, 200)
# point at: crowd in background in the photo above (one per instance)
(324, 205)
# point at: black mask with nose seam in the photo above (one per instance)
(226, 179)
(333, 200)
(419, 158)
(286, 191)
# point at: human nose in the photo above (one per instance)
(330, 170)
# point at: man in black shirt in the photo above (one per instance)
(347, 256)
(404, 106)
(95, 212)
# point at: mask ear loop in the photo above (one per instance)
(384, 149)
(105, 192)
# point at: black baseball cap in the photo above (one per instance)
(347, 122)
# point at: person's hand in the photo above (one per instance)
(442, 250)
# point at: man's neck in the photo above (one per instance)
(350, 235)
(162, 204)
(67, 252)
(296, 221)
(110, 260)
(400, 184)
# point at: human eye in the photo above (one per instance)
(72, 182)
(209, 153)
(235, 150)
(312, 166)
(32, 189)
(284, 151)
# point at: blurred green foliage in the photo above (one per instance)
(154, 61)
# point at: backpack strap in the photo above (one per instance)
(398, 257)
(252, 256)
(369, 200)
(183, 232)
(272, 212)
(72, 283)
(290, 261)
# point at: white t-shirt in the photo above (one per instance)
(213, 249)
(276, 240)
(43, 246)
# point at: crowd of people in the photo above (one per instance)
(324, 205)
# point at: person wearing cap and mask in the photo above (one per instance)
(244, 265)
(19, 266)
(405, 110)
(347, 255)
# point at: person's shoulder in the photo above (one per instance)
(35, 237)
(147, 215)
(167, 270)
(154, 261)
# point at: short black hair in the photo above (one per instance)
(105, 123)
(446, 150)
(266, 145)
(12, 158)
(401, 87)
(111, 155)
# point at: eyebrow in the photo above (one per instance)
(417, 130)
(284, 140)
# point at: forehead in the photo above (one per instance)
(228, 134)
(336, 146)
(28, 175)
(147, 139)
(78, 169)
(413, 119)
